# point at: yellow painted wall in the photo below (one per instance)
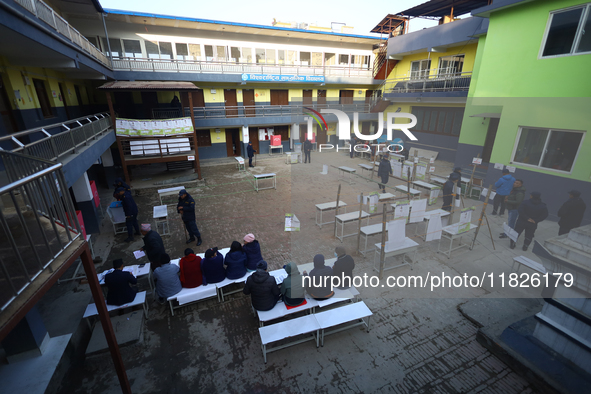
(296, 93)
(359, 93)
(217, 138)
(239, 97)
(262, 95)
(332, 93)
(166, 97)
(402, 68)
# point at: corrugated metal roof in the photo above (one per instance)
(440, 8)
(148, 85)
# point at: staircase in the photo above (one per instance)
(564, 324)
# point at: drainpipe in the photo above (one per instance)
(107, 36)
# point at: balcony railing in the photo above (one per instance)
(242, 111)
(47, 15)
(54, 141)
(440, 82)
(38, 222)
(227, 67)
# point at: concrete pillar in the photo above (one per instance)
(245, 139)
(109, 167)
(295, 135)
(28, 339)
(85, 202)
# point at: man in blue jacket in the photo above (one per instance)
(503, 188)
(250, 152)
(131, 211)
(186, 207)
(531, 212)
(118, 281)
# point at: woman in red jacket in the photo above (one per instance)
(190, 266)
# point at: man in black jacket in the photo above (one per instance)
(186, 207)
(571, 212)
(448, 191)
(531, 212)
(153, 245)
(384, 171)
(250, 153)
(343, 268)
(307, 150)
(262, 288)
(131, 212)
(319, 283)
(118, 281)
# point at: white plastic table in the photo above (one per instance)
(346, 218)
(169, 192)
(347, 170)
(258, 177)
(161, 218)
(117, 217)
(386, 196)
(404, 188)
(409, 246)
(451, 232)
(327, 206)
(438, 179)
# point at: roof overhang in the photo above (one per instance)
(436, 9)
(389, 23)
(484, 12)
(148, 86)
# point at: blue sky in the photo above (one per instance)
(362, 15)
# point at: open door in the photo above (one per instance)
(233, 142)
(491, 134)
(321, 136)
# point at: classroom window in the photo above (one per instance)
(195, 52)
(317, 59)
(165, 50)
(208, 52)
(235, 54)
(343, 60)
(182, 51)
(247, 55)
(132, 48)
(329, 59)
(305, 58)
(292, 57)
(438, 120)
(270, 56)
(280, 56)
(115, 44)
(450, 65)
(260, 55)
(420, 69)
(152, 50)
(547, 148)
(93, 41)
(568, 32)
(221, 53)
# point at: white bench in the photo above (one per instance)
(365, 167)
(368, 231)
(280, 310)
(522, 260)
(258, 177)
(240, 163)
(342, 315)
(187, 296)
(386, 196)
(169, 192)
(347, 218)
(327, 206)
(451, 233)
(271, 147)
(291, 328)
(438, 179)
(140, 299)
(160, 214)
(346, 170)
(404, 188)
(409, 246)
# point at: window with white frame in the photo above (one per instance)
(420, 69)
(547, 148)
(568, 32)
(132, 48)
(449, 65)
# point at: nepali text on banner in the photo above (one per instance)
(282, 78)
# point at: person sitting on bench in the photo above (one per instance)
(319, 282)
(235, 261)
(190, 267)
(167, 278)
(343, 268)
(212, 267)
(262, 288)
(291, 288)
(118, 281)
(253, 252)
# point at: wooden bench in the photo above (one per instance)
(522, 260)
(240, 163)
(140, 299)
(342, 315)
(258, 177)
(287, 329)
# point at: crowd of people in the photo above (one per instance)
(243, 258)
(524, 215)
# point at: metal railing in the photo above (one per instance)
(53, 141)
(45, 13)
(241, 111)
(227, 67)
(440, 82)
(37, 222)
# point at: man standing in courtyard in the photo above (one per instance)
(531, 212)
(384, 171)
(503, 188)
(513, 201)
(186, 207)
(153, 246)
(571, 212)
(307, 150)
(250, 152)
(130, 210)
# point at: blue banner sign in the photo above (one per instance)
(282, 78)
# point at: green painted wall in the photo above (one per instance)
(510, 66)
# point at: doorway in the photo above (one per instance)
(321, 97)
(345, 97)
(321, 136)
(8, 122)
(124, 106)
(307, 97)
(253, 136)
(63, 96)
(279, 97)
(489, 142)
(303, 132)
(231, 103)
(233, 142)
(248, 102)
